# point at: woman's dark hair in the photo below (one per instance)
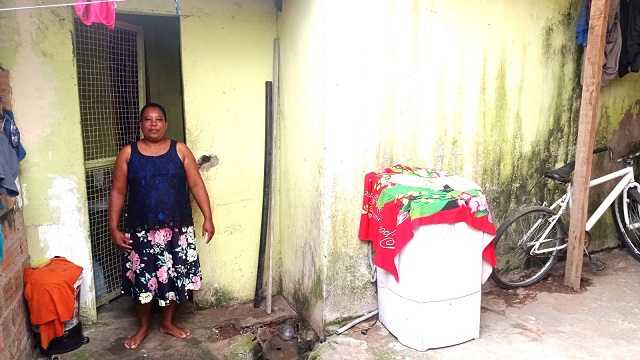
(153, 105)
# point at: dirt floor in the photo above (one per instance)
(544, 321)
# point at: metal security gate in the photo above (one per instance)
(110, 66)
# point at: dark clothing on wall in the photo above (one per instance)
(8, 168)
(11, 132)
(630, 25)
(582, 30)
(613, 44)
(613, 41)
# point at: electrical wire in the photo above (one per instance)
(58, 5)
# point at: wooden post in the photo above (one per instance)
(592, 78)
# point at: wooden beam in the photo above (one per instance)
(592, 78)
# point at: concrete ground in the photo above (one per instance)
(545, 321)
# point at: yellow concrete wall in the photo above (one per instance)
(227, 56)
(301, 162)
(227, 49)
(36, 46)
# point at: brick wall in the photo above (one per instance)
(16, 339)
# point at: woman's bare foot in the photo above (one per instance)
(174, 330)
(136, 339)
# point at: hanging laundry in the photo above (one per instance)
(613, 42)
(11, 132)
(630, 26)
(582, 31)
(8, 168)
(102, 12)
(1, 244)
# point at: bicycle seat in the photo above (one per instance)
(561, 174)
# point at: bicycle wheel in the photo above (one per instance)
(630, 237)
(515, 266)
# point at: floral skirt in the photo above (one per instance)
(163, 264)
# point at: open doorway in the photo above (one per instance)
(118, 72)
(163, 75)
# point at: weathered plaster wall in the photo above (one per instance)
(618, 128)
(301, 166)
(487, 90)
(494, 101)
(227, 51)
(36, 47)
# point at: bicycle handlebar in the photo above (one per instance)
(628, 157)
(601, 149)
(563, 173)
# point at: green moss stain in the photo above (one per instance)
(501, 116)
(342, 320)
(554, 144)
(306, 297)
(382, 354)
(452, 139)
(495, 158)
(241, 349)
(220, 297)
(505, 167)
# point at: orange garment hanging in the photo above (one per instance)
(100, 12)
(50, 295)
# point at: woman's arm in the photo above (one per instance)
(198, 189)
(116, 199)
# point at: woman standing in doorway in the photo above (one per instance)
(160, 260)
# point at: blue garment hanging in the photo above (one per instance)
(13, 134)
(1, 244)
(582, 30)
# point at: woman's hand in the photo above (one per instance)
(121, 240)
(208, 229)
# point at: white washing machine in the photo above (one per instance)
(436, 303)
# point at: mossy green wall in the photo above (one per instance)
(302, 211)
(487, 90)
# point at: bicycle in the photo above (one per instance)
(530, 241)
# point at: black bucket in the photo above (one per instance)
(69, 341)
(72, 337)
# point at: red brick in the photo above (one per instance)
(16, 339)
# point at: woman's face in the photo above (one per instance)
(153, 124)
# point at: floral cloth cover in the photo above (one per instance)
(399, 198)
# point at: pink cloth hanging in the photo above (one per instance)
(103, 12)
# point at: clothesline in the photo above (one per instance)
(57, 5)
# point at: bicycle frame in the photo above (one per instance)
(623, 185)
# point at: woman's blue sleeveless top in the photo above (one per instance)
(158, 195)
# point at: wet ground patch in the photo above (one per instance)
(553, 284)
(288, 340)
